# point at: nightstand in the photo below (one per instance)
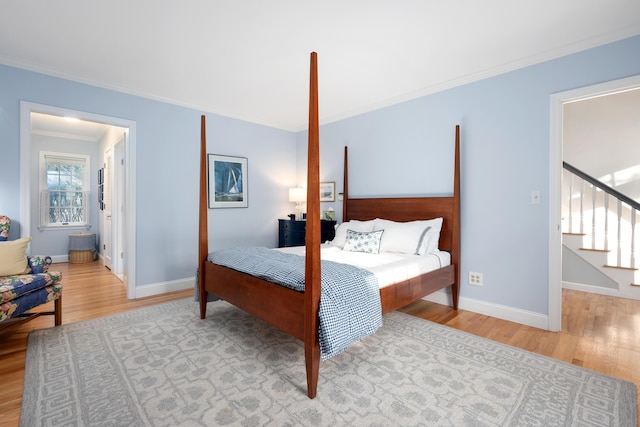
(292, 233)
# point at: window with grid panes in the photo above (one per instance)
(64, 189)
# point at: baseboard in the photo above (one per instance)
(151, 289)
(59, 258)
(164, 287)
(511, 314)
(591, 289)
(498, 311)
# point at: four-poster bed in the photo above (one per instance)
(295, 312)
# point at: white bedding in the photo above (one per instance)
(389, 267)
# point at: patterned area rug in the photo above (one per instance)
(163, 366)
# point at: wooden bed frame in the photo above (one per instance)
(296, 313)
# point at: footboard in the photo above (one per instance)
(400, 294)
(279, 306)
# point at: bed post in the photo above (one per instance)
(345, 187)
(312, 261)
(455, 244)
(203, 233)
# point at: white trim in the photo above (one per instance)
(592, 289)
(150, 290)
(524, 317)
(164, 287)
(25, 177)
(555, 217)
(441, 297)
(129, 268)
(55, 259)
(555, 182)
(26, 108)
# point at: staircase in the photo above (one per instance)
(598, 235)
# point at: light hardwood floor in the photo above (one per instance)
(599, 332)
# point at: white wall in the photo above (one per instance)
(602, 138)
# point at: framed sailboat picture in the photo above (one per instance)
(227, 181)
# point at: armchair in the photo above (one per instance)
(26, 283)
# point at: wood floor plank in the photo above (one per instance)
(601, 333)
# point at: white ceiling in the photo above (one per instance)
(67, 127)
(249, 59)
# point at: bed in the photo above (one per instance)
(295, 312)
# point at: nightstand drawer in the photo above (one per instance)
(292, 233)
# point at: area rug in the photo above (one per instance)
(163, 366)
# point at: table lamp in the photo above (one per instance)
(299, 196)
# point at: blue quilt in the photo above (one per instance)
(350, 306)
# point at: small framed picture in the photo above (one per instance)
(329, 215)
(327, 191)
(227, 181)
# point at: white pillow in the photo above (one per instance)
(13, 257)
(341, 231)
(367, 242)
(402, 237)
(432, 239)
(412, 237)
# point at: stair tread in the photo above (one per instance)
(621, 268)
(595, 250)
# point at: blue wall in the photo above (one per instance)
(402, 149)
(167, 165)
(505, 126)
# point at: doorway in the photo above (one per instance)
(124, 148)
(555, 183)
(113, 205)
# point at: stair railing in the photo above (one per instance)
(600, 194)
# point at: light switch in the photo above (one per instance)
(535, 197)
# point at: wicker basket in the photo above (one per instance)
(80, 257)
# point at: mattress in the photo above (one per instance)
(389, 267)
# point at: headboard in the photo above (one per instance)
(413, 208)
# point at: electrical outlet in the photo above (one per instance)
(475, 278)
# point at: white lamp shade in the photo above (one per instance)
(297, 195)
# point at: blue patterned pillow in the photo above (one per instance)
(39, 263)
(358, 241)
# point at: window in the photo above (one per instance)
(64, 185)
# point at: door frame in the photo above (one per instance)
(107, 221)
(26, 108)
(118, 233)
(555, 182)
